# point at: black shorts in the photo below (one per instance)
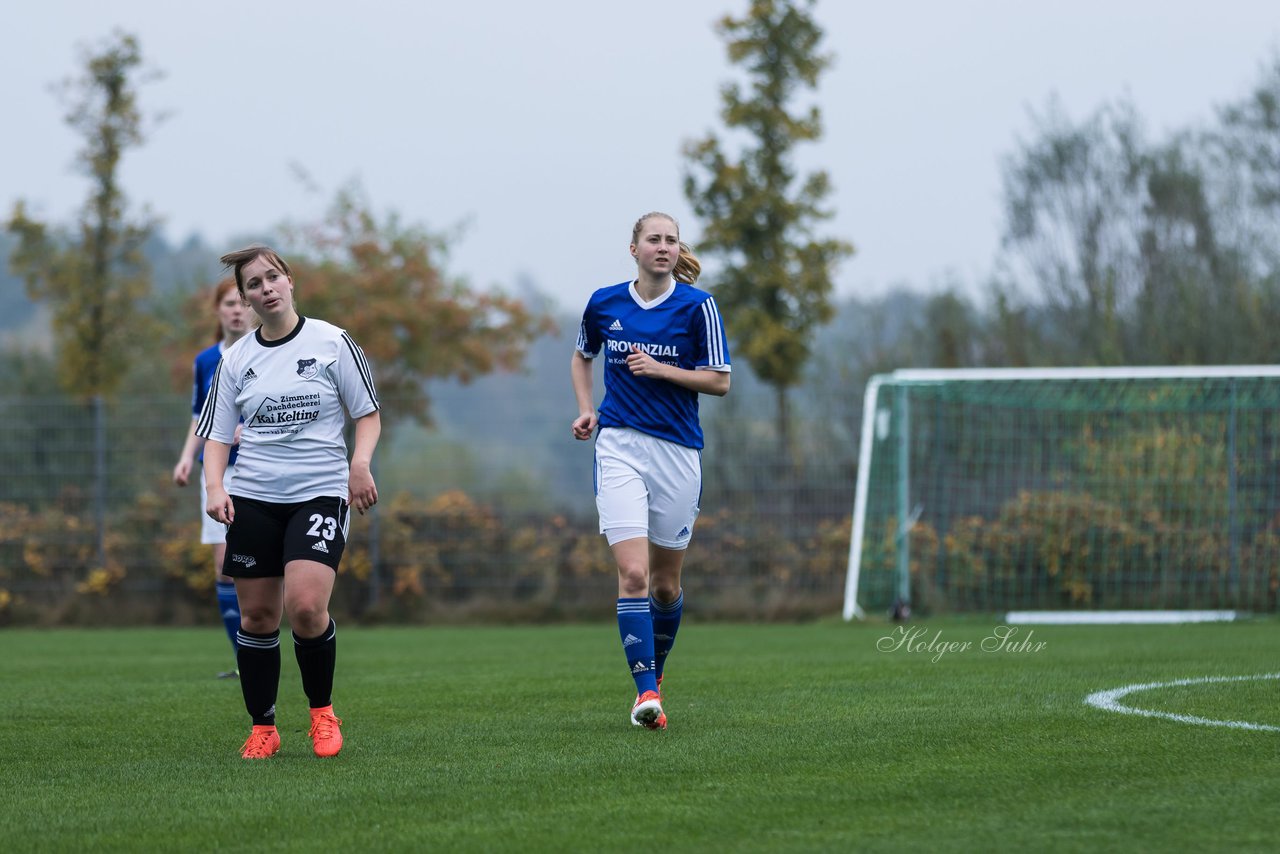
(265, 536)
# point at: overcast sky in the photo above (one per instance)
(547, 128)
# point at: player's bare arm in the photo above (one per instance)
(641, 364)
(580, 373)
(363, 490)
(190, 449)
(217, 502)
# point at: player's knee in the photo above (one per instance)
(309, 617)
(259, 620)
(664, 590)
(633, 580)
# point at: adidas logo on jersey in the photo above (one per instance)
(248, 375)
(320, 547)
(616, 326)
(629, 640)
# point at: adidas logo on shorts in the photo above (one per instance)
(320, 547)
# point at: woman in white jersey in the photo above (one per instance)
(663, 345)
(286, 501)
(233, 323)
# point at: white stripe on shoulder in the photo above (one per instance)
(715, 336)
(210, 404)
(362, 365)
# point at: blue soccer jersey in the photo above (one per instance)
(205, 367)
(682, 328)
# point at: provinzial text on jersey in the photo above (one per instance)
(655, 350)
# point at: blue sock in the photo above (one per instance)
(229, 605)
(666, 622)
(635, 627)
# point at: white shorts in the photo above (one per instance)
(648, 485)
(212, 533)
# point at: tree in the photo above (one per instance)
(383, 283)
(1244, 188)
(951, 330)
(1249, 137)
(774, 287)
(1196, 305)
(1074, 197)
(93, 282)
(1145, 253)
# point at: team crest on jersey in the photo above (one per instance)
(307, 368)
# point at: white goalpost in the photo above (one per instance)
(1068, 494)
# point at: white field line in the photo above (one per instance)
(1109, 701)
(1115, 618)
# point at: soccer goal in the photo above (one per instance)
(1078, 491)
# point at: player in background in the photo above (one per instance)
(663, 345)
(233, 323)
(288, 498)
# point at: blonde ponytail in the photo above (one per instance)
(688, 267)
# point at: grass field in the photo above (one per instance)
(816, 737)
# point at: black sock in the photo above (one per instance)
(259, 659)
(316, 660)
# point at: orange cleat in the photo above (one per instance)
(326, 735)
(647, 712)
(262, 743)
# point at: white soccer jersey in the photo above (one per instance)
(293, 395)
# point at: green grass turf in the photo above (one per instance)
(818, 737)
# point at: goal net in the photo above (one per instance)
(1089, 490)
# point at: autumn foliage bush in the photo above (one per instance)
(449, 558)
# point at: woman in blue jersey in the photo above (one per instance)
(663, 345)
(286, 502)
(233, 323)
